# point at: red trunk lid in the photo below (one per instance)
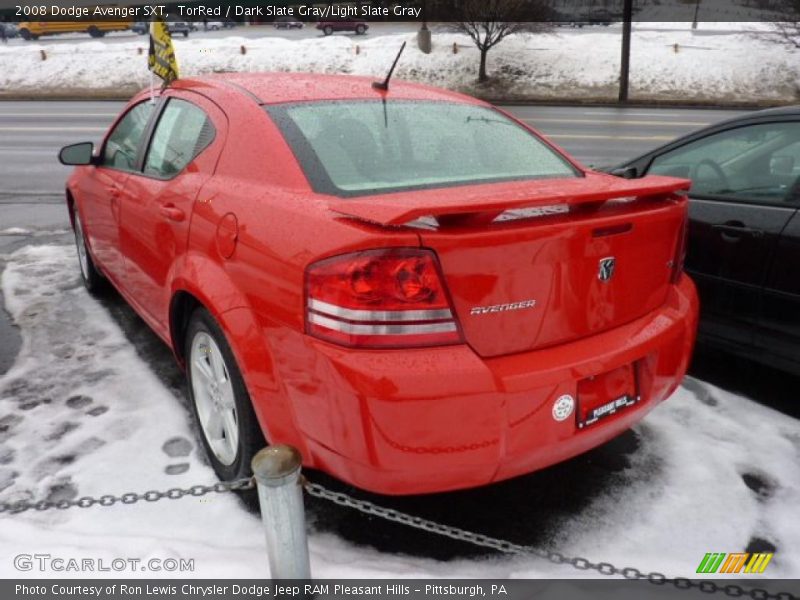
(531, 282)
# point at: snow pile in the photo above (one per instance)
(670, 62)
(82, 414)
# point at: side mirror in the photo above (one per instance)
(626, 173)
(781, 165)
(77, 154)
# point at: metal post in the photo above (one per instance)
(280, 495)
(624, 72)
(424, 34)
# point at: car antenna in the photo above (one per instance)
(384, 85)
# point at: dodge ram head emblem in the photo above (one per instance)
(606, 270)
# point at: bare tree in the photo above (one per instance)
(489, 22)
(787, 29)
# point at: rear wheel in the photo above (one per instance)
(360, 30)
(186, 33)
(92, 279)
(327, 30)
(95, 32)
(222, 408)
(25, 34)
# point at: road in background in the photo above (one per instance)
(31, 134)
(606, 136)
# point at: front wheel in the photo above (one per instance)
(327, 30)
(220, 402)
(92, 279)
(360, 29)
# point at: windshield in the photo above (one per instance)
(357, 148)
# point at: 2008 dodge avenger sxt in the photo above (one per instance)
(413, 288)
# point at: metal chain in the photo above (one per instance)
(130, 497)
(390, 514)
(478, 539)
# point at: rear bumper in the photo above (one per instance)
(430, 420)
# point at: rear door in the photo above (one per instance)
(742, 180)
(100, 194)
(157, 206)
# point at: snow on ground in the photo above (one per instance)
(670, 62)
(81, 414)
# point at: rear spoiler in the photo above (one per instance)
(404, 207)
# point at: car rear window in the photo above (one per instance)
(357, 148)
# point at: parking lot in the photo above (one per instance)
(85, 386)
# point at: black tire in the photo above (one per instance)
(186, 34)
(250, 437)
(93, 281)
(327, 30)
(25, 34)
(95, 32)
(360, 29)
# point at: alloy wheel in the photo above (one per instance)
(213, 394)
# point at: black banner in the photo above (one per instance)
(581, 12)
(410, 589)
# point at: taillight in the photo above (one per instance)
(680, 251)
(380, 299)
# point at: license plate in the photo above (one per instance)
(606, 394)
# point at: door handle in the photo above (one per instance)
(172, 212)
(735, 230)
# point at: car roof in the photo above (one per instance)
(756, 115)
(276, 88)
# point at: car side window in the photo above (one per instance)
(122, 144)
(183, 132)
(755, 163)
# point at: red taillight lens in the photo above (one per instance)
(680, 251)
(380, 299)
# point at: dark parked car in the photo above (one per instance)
(744, 229)
(287, 23)
(182, 27)
(329, 27)
(10, 29)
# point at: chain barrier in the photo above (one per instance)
(368, 508)
(130, 497)
(582, 564)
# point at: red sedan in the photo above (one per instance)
(413, 288)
